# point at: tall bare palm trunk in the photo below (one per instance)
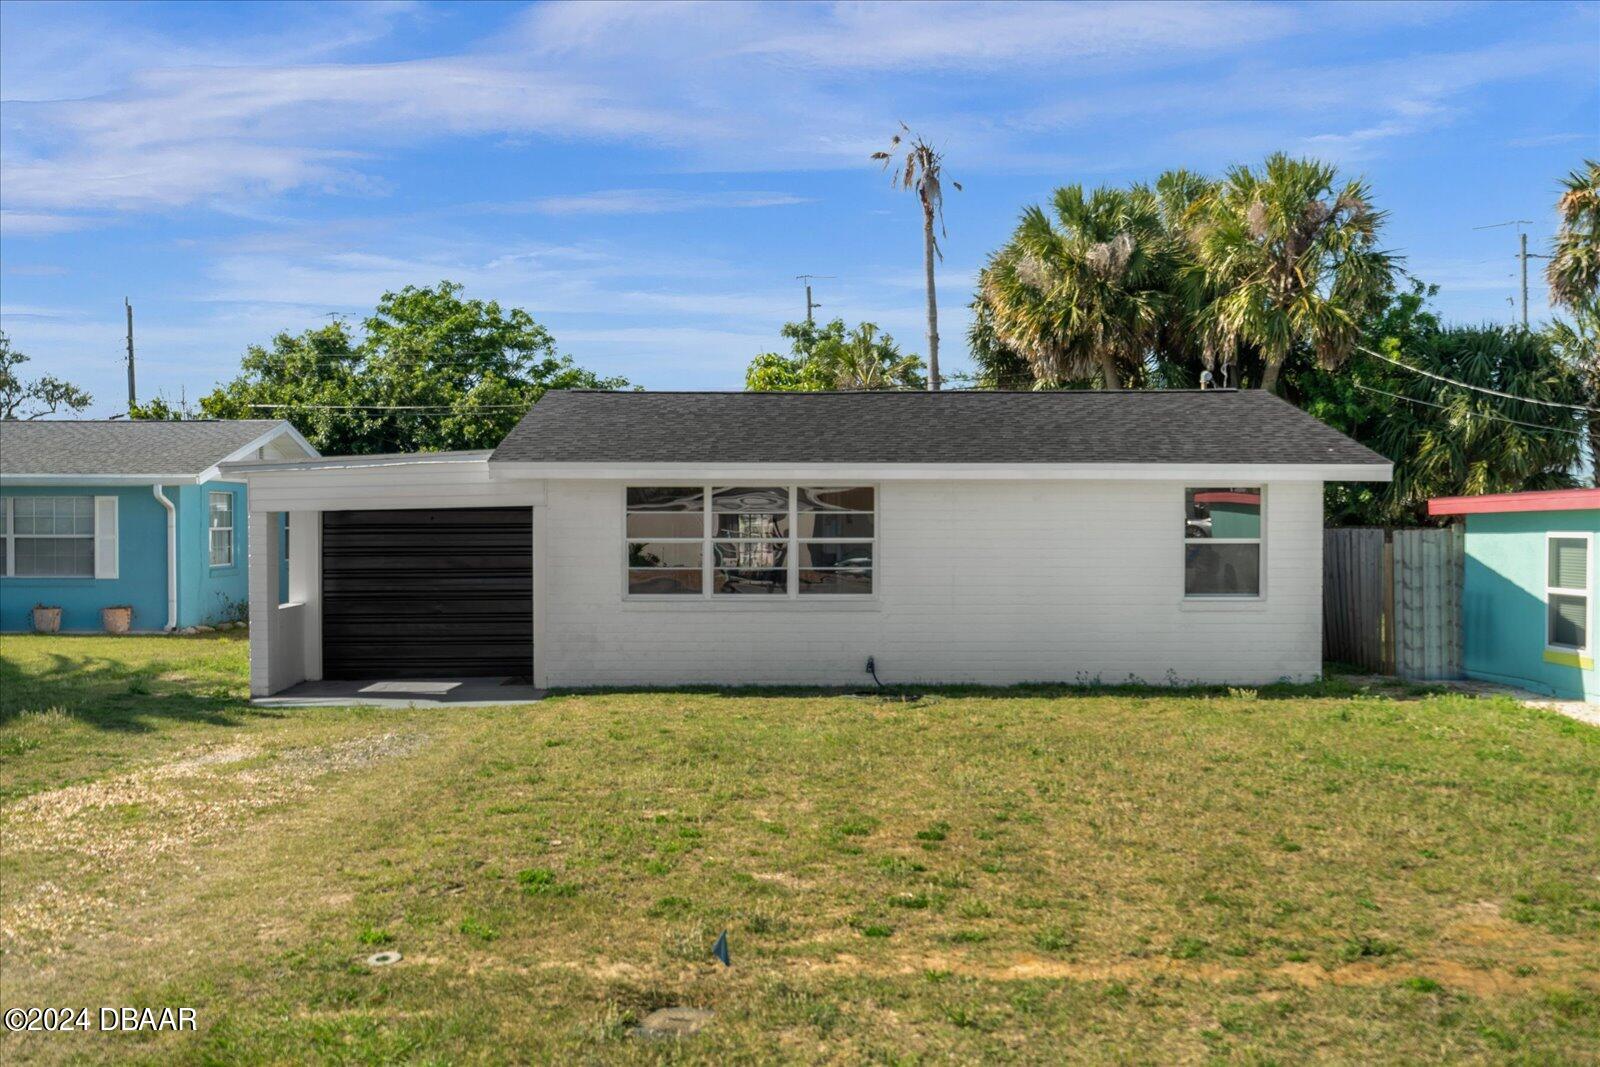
(1269, 376)
(1109, 372)
(933, 302)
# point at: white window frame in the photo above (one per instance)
(792, 541)
(1587, 592)
(1261, 554)
(211, 531)
(8, 519)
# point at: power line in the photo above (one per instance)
(1479, 414)
(1477, 388)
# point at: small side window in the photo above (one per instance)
(1222, 542)
(220, 514)
(1567, 593)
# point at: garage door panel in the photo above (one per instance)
(409, 594)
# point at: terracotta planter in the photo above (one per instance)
(116, 620)
(46, 620)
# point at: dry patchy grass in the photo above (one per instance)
(1036, 875)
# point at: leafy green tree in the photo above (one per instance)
(833, 357)
(430, 371)
(36, 398)
(160, 410)
(1444, 440)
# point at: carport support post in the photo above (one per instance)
(305, 583)
(263, 585)
(277, 632)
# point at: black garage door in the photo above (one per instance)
(427, 594)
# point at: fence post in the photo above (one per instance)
(1387, 620)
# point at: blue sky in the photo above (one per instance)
(647, 181)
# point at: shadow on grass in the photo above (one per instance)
(113, 694)
(1333, 686)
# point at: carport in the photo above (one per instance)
(411, 580)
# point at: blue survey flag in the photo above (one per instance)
(720, 949)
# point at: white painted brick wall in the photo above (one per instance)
(992, 582)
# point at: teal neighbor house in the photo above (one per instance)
(129, 513)
(1527, 597)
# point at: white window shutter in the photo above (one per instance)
(105, 537)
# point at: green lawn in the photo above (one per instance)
(1035, 875)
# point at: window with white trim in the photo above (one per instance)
(49, 536)
(1567, 568)
(720, 542)
(220, 512)
(1222, 542)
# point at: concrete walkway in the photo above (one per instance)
(404, 693)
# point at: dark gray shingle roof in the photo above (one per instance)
(1216, 426)
(121, 447)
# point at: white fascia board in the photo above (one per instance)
(97, 479)
(281, 430)
(1211, 473)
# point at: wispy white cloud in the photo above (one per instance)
(920, 34)
(655, 202)
(34, 223)
(730, 86)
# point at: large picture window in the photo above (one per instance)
(1222, 542)
(221, 518)
(767, 541)
(1567, 593)
(49, 536)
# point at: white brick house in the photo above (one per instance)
(738, 538)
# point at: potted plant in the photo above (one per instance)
(117, 618)
(46, 618)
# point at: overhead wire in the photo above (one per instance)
(1476, 388)
(1479, 414)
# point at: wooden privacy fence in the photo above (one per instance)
(1391, 600)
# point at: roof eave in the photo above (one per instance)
(9, 480)
(1225, 472)
(1506, 503)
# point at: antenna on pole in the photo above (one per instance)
(811, 305)
(1522, 254)
(132, 396)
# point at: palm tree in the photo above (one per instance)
(1087, 290)
(921, 171)
(1578, 344)
(1293, 260)
(867, 360)
(1574, 268)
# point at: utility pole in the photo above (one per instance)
(132, 397)
(811, 305)
(1522, 255)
